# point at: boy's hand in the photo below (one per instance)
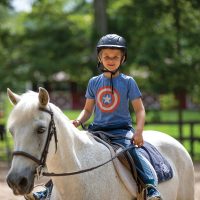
(76, 122)
(137, 139)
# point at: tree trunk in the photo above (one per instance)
(181, 99)
(178, 95)
(100, 26)
(100, 17)
(176, 13)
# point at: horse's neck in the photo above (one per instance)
(73, 145)
(77, 151)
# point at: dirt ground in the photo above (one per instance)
(6, 193)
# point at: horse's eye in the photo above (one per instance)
(41, 130)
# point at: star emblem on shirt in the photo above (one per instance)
(107, 99)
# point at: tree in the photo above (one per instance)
(8, 46)
(161, 37)
(46, 40)
(57, 35)
(100, 17)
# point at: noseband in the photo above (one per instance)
(51, 131)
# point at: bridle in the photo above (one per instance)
(51, 132)
(42, 161)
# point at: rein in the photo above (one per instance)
(88, 169)
(42, 161)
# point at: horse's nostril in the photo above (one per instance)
(23, 182)
(10, 181)
(9, 184)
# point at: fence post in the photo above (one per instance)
(2, 132)
(180, 123)
(192, 139)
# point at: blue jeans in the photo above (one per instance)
(142, 166)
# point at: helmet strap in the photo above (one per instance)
(103, 69)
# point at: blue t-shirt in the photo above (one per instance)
(112, 109)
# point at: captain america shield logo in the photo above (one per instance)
(106, 101)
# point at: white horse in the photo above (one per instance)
(77, 150)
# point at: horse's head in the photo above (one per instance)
(28, 125)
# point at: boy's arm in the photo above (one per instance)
(140, 121)
(85, 113)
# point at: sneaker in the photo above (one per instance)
(153, 194)
(42, 195)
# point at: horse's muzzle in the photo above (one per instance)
(21, 182)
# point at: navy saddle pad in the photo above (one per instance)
(160, 164)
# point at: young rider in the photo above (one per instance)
(108, 95)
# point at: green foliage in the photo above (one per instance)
(44, 44)
(57, 35)
(160, 40)
(167, 102)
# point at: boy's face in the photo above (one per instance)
(111, 58)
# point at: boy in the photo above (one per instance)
(108, 95)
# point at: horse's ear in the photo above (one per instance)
(14, 98)
(43, 96)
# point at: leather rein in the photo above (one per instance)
(42, 161)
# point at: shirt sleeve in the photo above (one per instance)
(134, 91)
(90, 90)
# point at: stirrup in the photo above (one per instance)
(33, 196)
(153, 197)
(142, 195)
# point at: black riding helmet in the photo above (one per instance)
(112, 41)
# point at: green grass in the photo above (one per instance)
(172, 130)
(168, 115)
(172, 115)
